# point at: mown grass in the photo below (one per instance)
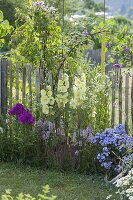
(66, 186)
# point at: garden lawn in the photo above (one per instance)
(66, 186)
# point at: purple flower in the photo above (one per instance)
(117, 65)
(85, 33)
(107, 45)
(106, 165)
(17, 110)
(86, 132)
(131, 57)
(125, 49)
(119, 129)
(45, 129)
(38, 3)
(74, 137)
(26, 118)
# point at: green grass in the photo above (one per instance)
(66, 186)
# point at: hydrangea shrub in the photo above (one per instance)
(115, 146)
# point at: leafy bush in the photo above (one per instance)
(5, 29)
(45, 195)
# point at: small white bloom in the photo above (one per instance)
(1, 130)
(129, 190)
(109, 196)
(119, 183)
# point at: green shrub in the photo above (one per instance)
(45, 195)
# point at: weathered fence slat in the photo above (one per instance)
(4, 64)
(37, 85)
(120, 97)
(30, 85)
(50, 78)
(17, 82)
(113, 100)
(132, 104)
(126, 101)
(24, 84)
(11, 83)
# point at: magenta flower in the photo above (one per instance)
(26, 118)
(17, 110)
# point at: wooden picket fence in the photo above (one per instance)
(22, 84)
(18, 84)
(122, 98)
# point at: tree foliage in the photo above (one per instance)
(5, 29)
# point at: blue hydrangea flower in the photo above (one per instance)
(114, 143)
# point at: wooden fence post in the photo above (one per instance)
(120, 97)
(3, 91)
(113, 100)
(23, 84)
(126, 101)
(37, 85)
(30, 84)
(132, 104)
(17, 82)
(11, 82)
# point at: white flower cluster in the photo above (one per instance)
(62, 96)
(125, 185)
(79, 91)
(62, 91)
(47, 99)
